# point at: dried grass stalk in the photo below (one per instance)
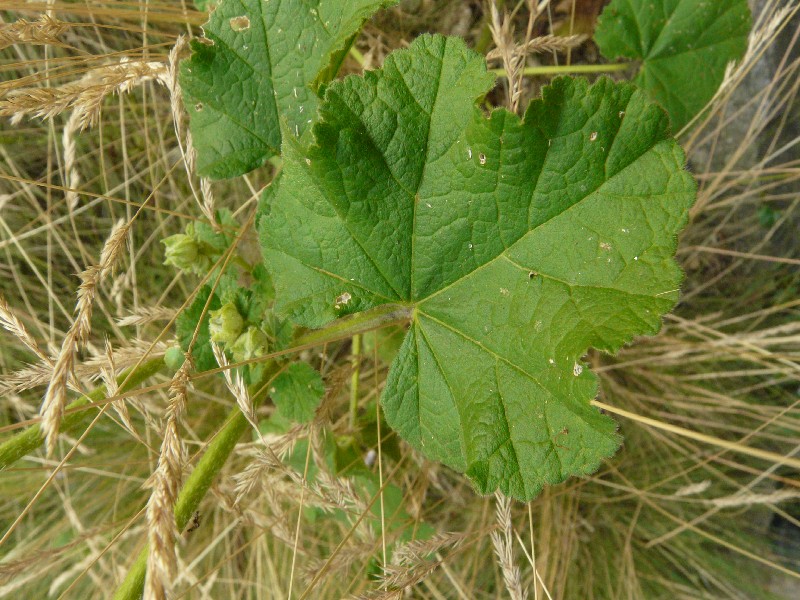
(182, 132)
(236, 386)
(85, 96)
(10, 322)
(165, 484)
(147, 314)
(46, 30)
(502, 30)
(55, 397)
(503, 542)
(541, 45)
(108, 373)
(73, 179)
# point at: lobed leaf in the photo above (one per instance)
(297, 392)
(684, 46)
(254, 67)
(519, 245)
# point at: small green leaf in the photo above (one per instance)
(684, 46)
(297, 392)
(518, 245)
(254, 68)
(188, 320)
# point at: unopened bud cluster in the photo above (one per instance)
(186, 252)
(227, 327)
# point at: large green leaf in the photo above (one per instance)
(684, 46)
(254, 67)
(518, 245)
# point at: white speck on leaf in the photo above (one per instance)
(635, 258)
(240, 23)
(551, 361)
(593, 136)
(469, 153)
(577, 369)
(605, 246)
(504, 291)
(370, 457)
(621, 114)
(482, 158)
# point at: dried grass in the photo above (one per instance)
(45, 30)
(165, 484)
(55, 398)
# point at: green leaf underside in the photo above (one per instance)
(297, 392)
(254, 67)
(684, 46)
(520, 244)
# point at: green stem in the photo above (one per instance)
(356, 54)
(356, 352)
(220, 448)
(569, 69)
(29, 440)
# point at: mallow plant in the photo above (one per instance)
(501, 247)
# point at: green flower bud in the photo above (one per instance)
(174, 358)
(251, 344)
(225, 324)
(181, 250)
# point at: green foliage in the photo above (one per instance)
(297, 392)
(194, 318)
(258, 65)
(684, 46)
(518, 243)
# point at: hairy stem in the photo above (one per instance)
(27, 441)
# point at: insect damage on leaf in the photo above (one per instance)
(560, 239)
(254, 67)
